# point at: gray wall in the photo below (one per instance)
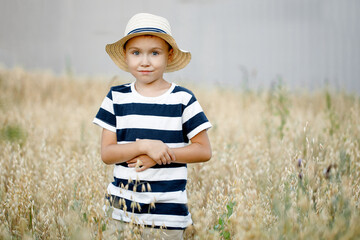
(242, 43)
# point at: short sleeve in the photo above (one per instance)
(194, 118)
(105, 117)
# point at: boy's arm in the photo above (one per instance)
(198, 151)
(112, 153)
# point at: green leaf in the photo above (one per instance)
(226, 235)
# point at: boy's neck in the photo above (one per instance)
(152, 89)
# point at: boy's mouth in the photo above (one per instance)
(145, 71)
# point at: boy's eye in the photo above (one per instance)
(135, 52)
(155, 53)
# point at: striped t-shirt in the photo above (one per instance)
(157, 196)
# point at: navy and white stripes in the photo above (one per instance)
(156, 196)
(147, 29)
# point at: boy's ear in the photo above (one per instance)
(171, 55)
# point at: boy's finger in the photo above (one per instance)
(131, 161)
(163, 159)
(141, 169)
(138, 164)
(168, 158)
(158, 161)
(172, 156)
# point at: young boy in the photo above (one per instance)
(151, 129)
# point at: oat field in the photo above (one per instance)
(285, 165)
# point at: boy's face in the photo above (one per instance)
(147, 58)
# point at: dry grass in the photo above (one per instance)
(255, 187)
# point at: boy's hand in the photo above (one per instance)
(157, 151)
(141, 163)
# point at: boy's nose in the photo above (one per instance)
(145, 61)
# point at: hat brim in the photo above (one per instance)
(179, 60)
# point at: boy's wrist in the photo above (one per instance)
(142, 146)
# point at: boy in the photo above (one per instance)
(147, 129)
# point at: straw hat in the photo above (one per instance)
(148, 24)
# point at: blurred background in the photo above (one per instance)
(246, 44)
